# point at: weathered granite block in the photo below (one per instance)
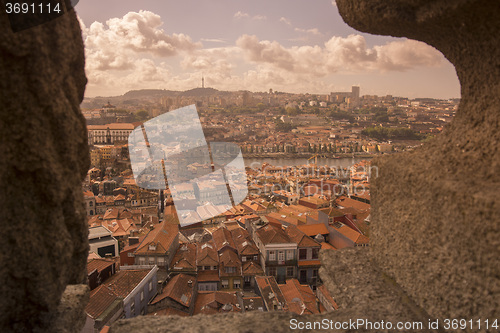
(436, 228)
(44, 157)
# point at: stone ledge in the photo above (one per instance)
(70, 315)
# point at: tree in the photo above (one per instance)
(142, 115)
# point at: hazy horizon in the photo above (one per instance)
(254, 46)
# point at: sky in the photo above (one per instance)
(296, 46)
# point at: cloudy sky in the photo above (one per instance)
(288, 45)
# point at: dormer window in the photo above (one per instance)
(152, 247)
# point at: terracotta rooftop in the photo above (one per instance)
(180, 289)
(101, 299)
(300, 238)
(222, 238)
(98, 264)
(208, 276)
(328, 296)
(123, 282)
(212, 302)
(252, 268)
(300, 298)
(185, 257)
(161, 237)
(270, 234)
(270, 291)
(313, 230)
(206, 255)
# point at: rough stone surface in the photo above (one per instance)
(44, 158)
(435, 222)
(70, 314)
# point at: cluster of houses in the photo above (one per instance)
(262, 255)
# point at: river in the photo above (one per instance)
(331, 162)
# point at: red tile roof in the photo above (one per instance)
(101, 299)
(180, 289)
(313, 230)
(300, 238)
(328, 296)
(123, 282)
(252, 268)
(185, 257)
(212, 302)
(208, 276)
(269, 234)
(300, 298)
(162, 237)
(206, 255)
(98, 264)
(222, 238)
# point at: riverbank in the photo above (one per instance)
(291, 156)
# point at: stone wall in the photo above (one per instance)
(44, 157)
(435, 211)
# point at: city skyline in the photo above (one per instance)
(251, 46)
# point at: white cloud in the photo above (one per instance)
(214, 40)
(116, 44)
(285, 20)
(313, 31)
(240, 15)
(340, 55)
(259, 17)
(134, 52)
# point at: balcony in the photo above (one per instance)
(281, 262)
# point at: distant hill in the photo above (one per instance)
(144, 93)
(200, 92)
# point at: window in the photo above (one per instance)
(225, 283)
(214, 268)
(315, 272)
(91, 203)
(272, 271)
(151, 260)
(230, 269)
(315, 253)
(142, 261)
(289, 255)
(206, 268)
(281, 256)
(289, 271)
(132, 309)
(255, 258)
(237, 284)
(243, 258)
(302, 254)
(272, 255)
(161, 261)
